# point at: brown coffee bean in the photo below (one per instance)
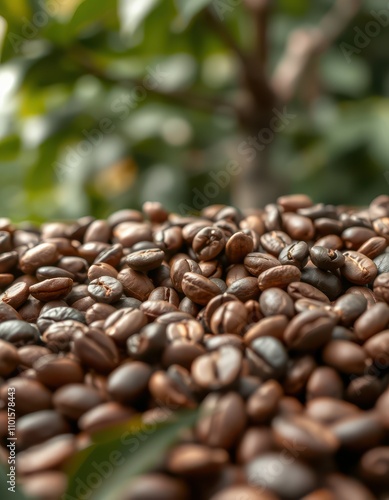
(262, 405)
(73, 400)
(345, 356)
(31, 395)
(359, 431)
(256, 262)
(123, 323)
(274, 302)
(129, 381)
(95, 350)
(238, 246)
(156, 486)
(297, 374)
(16, 295)
(244, 289)
(208, 243)
(51, 289)
(267, 358)
(173, 388)
(298, 290)
(44, 254)
(372, 321)
(39, 426)
(199, 288)
(54, 371)
(196, 460)
(222, 420)
(373, 247)
(275, 241)
(217, 369)
(279, 276)
(298, 227)
(135, 284)
(273, 326)
(105, 415)
(230, 317)
(309, 330)
(101, 269)
(9, 358)
(358, 268)
(324, 382)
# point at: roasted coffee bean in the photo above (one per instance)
(381, 287)
(73, 400)
(309, 330)
(274, 301)
(327, 282)
(208, 243)
(230, 317)
(58, 336)
(374, 465)
(244, 289)
(297, 374)
(75, 265)
(8, 261)
(30, 353)
(358, 268)
(145, 260)
(256, 263)
(279, 276)
(222, 420)
(273, 326)
(196, 460)
(51, 289)
(328, 410)
(155, 308)
(267, 358)
(98, 311)
(187, 329)
(9, 358)
(57, 314)
(298, 227)
(19, 333)
(372, 321)
(95, 350)
(54, 371)
(100, 270)
(179, 268)
(238, 246)
(299, 290)
(242, 491)
(324, 382)
(262, 405)
(326, 259)
(275, 241)
(156, 486)
(295, 254)
(16, 295)
(135, 284)
(149, 343)
(377, 347)
(349, 308)
(373, 247)
(181, 352)
(48, 272)
(292, 481)
(217, 369)
(39, 426)
(105, 415)
(110, 256)
(106, 289)
(382, 263)
(174, 388)
(44, 254)
(129, 381)
(360, 431)
(254, 442)
(166, 294)
(382, 406)
(345, 356)
(198, 288)
(123, 323)
(311, 438)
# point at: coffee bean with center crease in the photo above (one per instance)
(326, 259)
(222, 420)
(149, 344)
(58, 336)
(267, 358)
(106, 289)
(262, 405)
(145, 260)
(51, 289)
(217, 369)
(244, 289)
(299, 290)
(179, 268)
(98, 311)
(275, 241)
(55, 371)
(373, 247)
(58, 314)
(311, 438)
(198, 288)
(256, 262)
(16, 295)
(295, 254)
(273, 326)
(187, 329)
(7, 312)
(44, 254)
(155, 308)
(135, 284)
(123, 323)
(325, 281)
(345, 356)
(165, 293)
(230, 317)
(19, 333)
(101, 269)
(95, 350)
(208, 243)
(279, 276)
(173, 388)
(377, 347)
(309, 330)
(274, 301)
(381, 287)
(358, 268)
(349, 307)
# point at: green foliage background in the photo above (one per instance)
(66, 62)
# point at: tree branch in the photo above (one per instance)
(260, 10)
(305, 44)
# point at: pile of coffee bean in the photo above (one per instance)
(273, 323)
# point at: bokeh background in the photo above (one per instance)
(104, 105)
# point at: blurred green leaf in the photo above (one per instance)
(9, 148)
(133, 12)
(189, 8)
(90, 12)
(136, 445)
(5, 493)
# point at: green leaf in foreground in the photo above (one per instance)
(133, 12)
(103, 469)
(5, 494)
